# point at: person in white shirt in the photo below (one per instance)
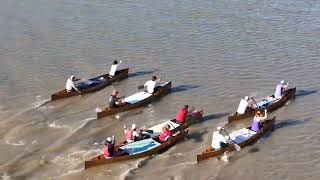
(70, 84)
(243, 105)
(114, 67)
(281, 88)
(151, 85)
(131, 133)
(218, 140)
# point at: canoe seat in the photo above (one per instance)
(266, 102)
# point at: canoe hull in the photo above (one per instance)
(251, 111)
(123, 74)
(209, 152)
(161, 92)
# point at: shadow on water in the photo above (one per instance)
(285, 123)
(181, 88)
(300, 93)
(290, 122)
(141, 73)
(197, 136)
(214, 116)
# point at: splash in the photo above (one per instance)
(19, 143)
(56, 126)
(5, 177)
(40, 102)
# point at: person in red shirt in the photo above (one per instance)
(182, 115)
(108, 149)
(165, 133)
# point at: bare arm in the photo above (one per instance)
(74, 87)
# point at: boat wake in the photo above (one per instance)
(40, 102)
(56, 126)
(19, 143)
(130, 172)
(5, 177)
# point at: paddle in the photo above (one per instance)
(254, 101)
(237, 147)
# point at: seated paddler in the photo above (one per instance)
(131, 133)
(108, 149)
(152, 84)
(218, 140)
(183, 114)
(114, 67)
(243, 105)
(165, 133)
(114, 100)
(281, 88)
(70, 84)
(257, 120)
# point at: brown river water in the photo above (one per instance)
(214, 51)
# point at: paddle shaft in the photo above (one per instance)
(232, 140)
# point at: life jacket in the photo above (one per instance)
(164, 135)
(106, 150)
(129, 134)
(182, 115)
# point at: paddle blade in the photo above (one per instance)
(237, 147)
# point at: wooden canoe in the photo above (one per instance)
(160, 92)
(210, 152)
(92, 85)
(196, 116)
(99, 160)
(250, 112)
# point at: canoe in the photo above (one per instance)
(92, 85)
(137, 100)
(152, 146)
(242, 137)
(272, 106)
(196, 117)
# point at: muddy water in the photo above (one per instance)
(215, 52)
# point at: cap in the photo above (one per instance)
(133, 126)
(109, 139)
(246, 98)
(72, 77)
(219, 128)
(282, 82)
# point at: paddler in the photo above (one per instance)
(114, 100)
(70, 84)
(114, 67)
(131, 133)
(243, 105)
(151, 85)
(218, 140)
(165, 133)
(258, 118)
(281, 88)
(183, 114)
(108, 149)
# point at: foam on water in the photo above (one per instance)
(19, 143)
(6, 177)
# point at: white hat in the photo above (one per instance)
(282, 82)
(109, 139)
(246, 98)
(133, 126)
(219, 128)
(71, 77)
